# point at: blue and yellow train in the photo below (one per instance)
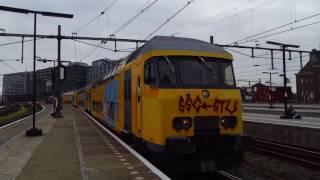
(176, 99)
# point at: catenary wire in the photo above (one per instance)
(134, 17)
(96, 17)
(275, 28)
(169, 19)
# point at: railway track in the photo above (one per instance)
(305, 157)
(11, 131)
(226, 175)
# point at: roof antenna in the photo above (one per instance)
(212, 39)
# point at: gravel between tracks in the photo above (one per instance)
(261, 167)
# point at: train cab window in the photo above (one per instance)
(149, 73)
(191, 70)
(213, 71)
(228, 77)
(166, 72)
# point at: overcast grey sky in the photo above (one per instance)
(227, 20)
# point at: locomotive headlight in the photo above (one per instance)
(229, 122)
(179, 123)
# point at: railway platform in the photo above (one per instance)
(73, 147)
(303, 132)
(306, 110)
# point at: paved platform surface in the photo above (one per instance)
(16, 149)
(299, 110)
(308, 122)
(72, 147)
(281, 105)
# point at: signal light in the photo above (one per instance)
(179, 123)
(229, 122)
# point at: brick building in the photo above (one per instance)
(259, 93)
(308, 80)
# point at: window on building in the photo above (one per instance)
(311, 95)
(301, 80)
(254, 89)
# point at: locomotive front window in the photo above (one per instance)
(166, 72)
(227, 72)
(213, 71)
(188, 71)
(191, 70)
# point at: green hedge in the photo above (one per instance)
(23, 112)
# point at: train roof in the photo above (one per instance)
(169, 43)
(68, 93)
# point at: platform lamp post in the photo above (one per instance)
(270, 87)
(34, 131)
(284, 46)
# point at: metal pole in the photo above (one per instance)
(284, 81)
(34, 72)
(59, 98)
(270, 91)
(22, 48)
(272, 65)
(284, 46)
(53, 88)
(34, 131)
(300, 60)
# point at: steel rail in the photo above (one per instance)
(306, 157)
(227, 175)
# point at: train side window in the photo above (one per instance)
(149, 73)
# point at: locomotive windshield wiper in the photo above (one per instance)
(208, 66)
(205, 62)
(170, 64)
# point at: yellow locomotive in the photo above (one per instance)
(175, 98)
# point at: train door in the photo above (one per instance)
(127, 100)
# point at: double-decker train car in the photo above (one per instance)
(82, 98)
(67, 97)
(175, 98)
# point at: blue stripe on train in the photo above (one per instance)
(111, 102)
